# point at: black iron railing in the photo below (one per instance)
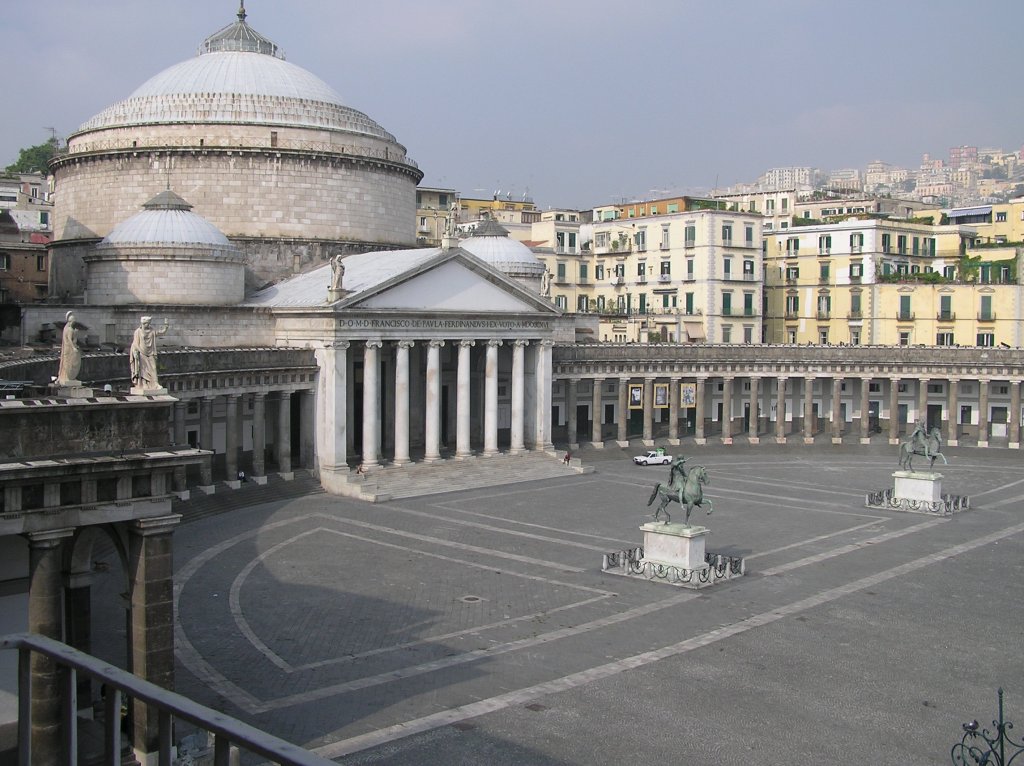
(121, 684)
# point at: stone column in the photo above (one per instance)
(544, 369)
(284, 435)
(45, 618)
(462, 405)
(180, 411)
(1014, 414)
(982, 413)
(755, 401)
(432, 426)
(206, 442)
(698, 411)
(596, 414)
(865, 411)
(623, 432)
(673, 410)
(491, 398)
(894, 411)
(727, 410)
(371, 403)
(333, 416)
(402, 401)
(837, 411)
(648, 435)
(231, 441)
(808, 410)
(780, 410)
(518, 443)
(953, 416)
(151, 584)
(572, 426)
(259, 438)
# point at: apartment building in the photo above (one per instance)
(692, 276)
(432, 209)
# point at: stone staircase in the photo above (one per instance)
(417, 479)
(200, 505)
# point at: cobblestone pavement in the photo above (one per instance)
(477, 627)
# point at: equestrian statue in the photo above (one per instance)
(921, 442)
(684, 487)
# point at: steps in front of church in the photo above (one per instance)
(200, 506)
(417, 479)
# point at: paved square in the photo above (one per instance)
(477, 627)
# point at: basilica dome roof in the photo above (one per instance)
(238, 77)
(492, 244)
(166, 220)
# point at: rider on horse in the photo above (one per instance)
(920, 439)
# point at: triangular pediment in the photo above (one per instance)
(453, 282)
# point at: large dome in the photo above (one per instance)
(239, 77)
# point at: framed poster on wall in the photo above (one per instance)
(636, 396)
(688, 394)
(661, 395)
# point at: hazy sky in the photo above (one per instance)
(581, 102)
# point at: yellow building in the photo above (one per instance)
(499, 207)
(432, 209)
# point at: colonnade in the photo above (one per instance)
(271, 408)
(382, 398)
(793, 406)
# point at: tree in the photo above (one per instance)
(35, 158)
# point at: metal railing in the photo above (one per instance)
(945, 316)
(227, 731)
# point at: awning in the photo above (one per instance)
(965, 212)
(694, 330)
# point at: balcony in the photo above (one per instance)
(986, 316)
(748, 277)
(727, 311)
(792, 314)
(691, 312)
(664, 277)
(618, 280)
(858, 314)
(727, 242)
(945, 316)
(663, 246)
(749, 312)
(690, 243)
(856, 248)
(690, 278)
(905, 316)
(824, 251)
(792, 253)
(823, 315)
(641, 279)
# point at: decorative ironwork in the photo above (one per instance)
(947, 505)
(983, 747)
(717, 566)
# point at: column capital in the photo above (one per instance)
(49, 538)
(546, 343)
(374, 344)
(259, 396)
(338, 345)
(435, 343)
(406, 344)
(520, 343)
(493, 343)
(233, 396)
(157, 525)
(467, 343)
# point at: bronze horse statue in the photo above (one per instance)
(684, 487)
(927, 445)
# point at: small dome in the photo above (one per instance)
(491, 243)
(167, 220)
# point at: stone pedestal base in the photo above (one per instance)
(287, 475)
(674, 442)
(674, 554)
(647, 442)
(260, 480)
(865, 440)
(675, 545)
(621, 443)
(808, 440)
(597, 445)
(983, 443)
(700, 441)
(917, 492)
(837, 439)
(207, 489)
(140, 391)
(234, 484)
(726, 440)
(780, 439)
(753, 440)
(918, 485)
(71, 389)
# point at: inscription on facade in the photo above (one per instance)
(445, 324)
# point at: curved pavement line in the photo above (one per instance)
(566, 683)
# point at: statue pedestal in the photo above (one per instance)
(918, 485)
(674, 545)
(71, 389)
(917, 492)
(140, 391)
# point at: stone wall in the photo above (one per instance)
(49, 428)
(165, 275)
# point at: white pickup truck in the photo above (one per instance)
(653, 457)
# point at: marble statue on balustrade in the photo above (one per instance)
(545, 284)
(142, 357)
(70, 353)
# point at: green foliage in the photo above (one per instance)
(797, 221)
(34, 159)
(922, 277)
